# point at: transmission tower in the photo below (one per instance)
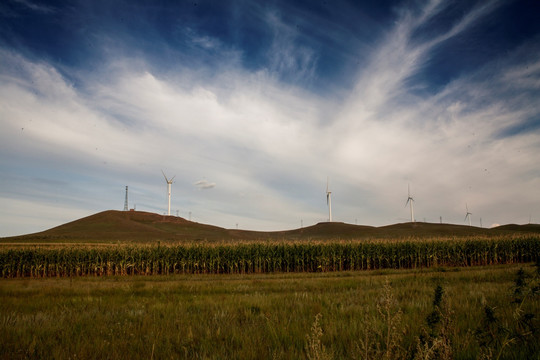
(126, 201)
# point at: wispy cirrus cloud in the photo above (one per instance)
(36, 7)
(289, 59)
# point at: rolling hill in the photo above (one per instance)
(142, 227)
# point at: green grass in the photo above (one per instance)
(261, 316)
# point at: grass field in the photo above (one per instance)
(339, 315)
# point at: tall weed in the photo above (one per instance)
(382, 335)
(315, 350)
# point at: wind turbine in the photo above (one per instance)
(169, 184)
(410, 201)
(329, 201)
(468, 214)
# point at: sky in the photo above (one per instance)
(254, 106)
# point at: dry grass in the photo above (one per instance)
(149, 228)
(315, 350)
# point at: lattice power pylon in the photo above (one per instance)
(126, 201)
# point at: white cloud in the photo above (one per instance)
(204, 184)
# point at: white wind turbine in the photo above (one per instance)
(410, 201)
(329, 201)
(468, 214)
(169, 184)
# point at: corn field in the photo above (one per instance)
(264, 257)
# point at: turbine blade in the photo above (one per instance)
(165, 176)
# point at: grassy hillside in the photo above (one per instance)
(143, 227)
(121, 226)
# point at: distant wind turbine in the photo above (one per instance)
(169, 184)
(329, 201)
(468, 214)
(410, 201)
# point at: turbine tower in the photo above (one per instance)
(410, 201)
(169, 184)
(329, 201)
(468, 214)
(126, 201)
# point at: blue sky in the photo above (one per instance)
(254, 104)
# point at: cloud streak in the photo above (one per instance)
(35, 7)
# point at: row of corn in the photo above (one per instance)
(264, 257)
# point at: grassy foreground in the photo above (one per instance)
(341, 315)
